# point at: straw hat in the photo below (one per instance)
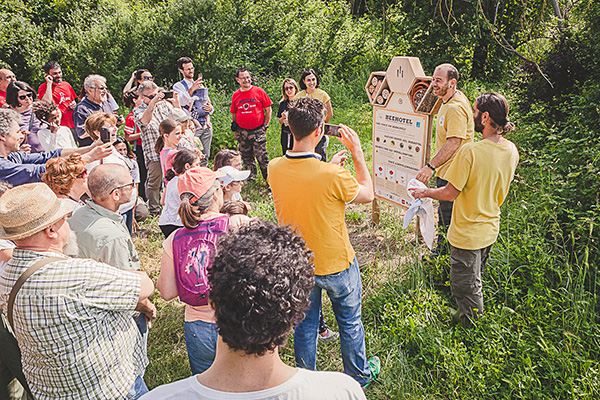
(28, 209)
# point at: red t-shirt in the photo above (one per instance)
(248, 107)
(2, 98)
(62, 94)
(130, 127)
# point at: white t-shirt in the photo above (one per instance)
(169, 215)
(62, 139)
(313, 385)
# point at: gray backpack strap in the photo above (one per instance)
(30, 271)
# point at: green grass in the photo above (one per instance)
(539, 337)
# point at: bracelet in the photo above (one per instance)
(431, 167)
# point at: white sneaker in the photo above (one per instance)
(329, 336)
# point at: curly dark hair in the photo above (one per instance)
(42, 109)
(261, 280)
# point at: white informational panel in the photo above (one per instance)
(400, 141)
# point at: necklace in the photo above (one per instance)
(454, 94)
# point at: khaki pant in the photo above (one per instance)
(155, 178)
(466, 267)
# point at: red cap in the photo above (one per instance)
(197, 181)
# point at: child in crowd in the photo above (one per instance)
(235, 207)
(233, 181)
(183, 160)
(228, 157)
(170, 136)
(52, 136)
(188, 140)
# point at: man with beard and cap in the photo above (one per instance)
(478, 182)
(454, 128)
(61, 93)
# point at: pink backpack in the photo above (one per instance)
(193, 252)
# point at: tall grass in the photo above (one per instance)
(539, 336)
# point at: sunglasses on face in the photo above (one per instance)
(148, 78)
(24, 96)
(151, 96)
(123, 186)
(289, 88)
(82, 175)
(100, 88)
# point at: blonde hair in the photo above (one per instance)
(61, 173)
(285, 96)
(94, 122)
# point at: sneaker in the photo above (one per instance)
(375, 367)
(328, 336)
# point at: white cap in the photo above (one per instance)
(233, 175)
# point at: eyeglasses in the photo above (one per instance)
(102, 88)
(148, 78)
(24, 96)
(123, 186)
(82, 175)
(289, 88)
(151, 96)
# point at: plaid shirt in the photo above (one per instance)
(150, 132)
(73, 321)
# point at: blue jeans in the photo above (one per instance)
(344, 290)
(138, 389)
(201, 343)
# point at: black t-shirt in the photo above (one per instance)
(283, 106)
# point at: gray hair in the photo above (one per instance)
(146, 86)
(105, 178)
(90, 80)
(7, 117)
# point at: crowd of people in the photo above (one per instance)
(72, 289)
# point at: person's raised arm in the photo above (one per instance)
(93, 152)
(363, 176)
(147, 115)
(48, 93)
(129, 83)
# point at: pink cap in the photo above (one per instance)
(197, 181)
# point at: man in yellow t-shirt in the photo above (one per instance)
(454, 128)
(478, 179)
(311, 197)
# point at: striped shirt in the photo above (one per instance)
(150, 132)
(73, 321)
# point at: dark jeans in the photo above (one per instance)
(445, 216)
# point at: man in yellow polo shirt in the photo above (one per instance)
(478, 179)
(311, 197)
(454, 129)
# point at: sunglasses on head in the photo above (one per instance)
(24, 96)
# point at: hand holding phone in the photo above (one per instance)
(104, 135)
(167, 95)
(332, 130)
